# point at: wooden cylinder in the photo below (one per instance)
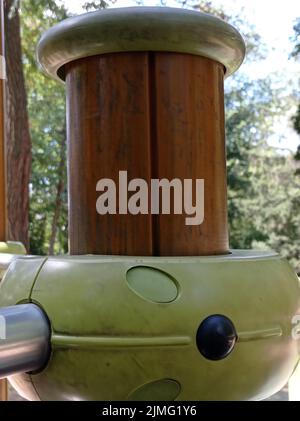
(156, 116)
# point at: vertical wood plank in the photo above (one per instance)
(108, 132)
(189, 143)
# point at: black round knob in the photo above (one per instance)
(216, 337)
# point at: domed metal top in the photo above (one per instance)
(140, 29)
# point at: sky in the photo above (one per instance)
(273, 20)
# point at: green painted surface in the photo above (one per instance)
(100, 342)
(160, 390)
(140, 29)
(152, 284)
(108, 342)
(18, 281)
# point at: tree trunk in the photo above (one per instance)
(3, 226)
(18, 151)
(3, 221)
(59, 191)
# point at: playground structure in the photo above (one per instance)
(146, 307)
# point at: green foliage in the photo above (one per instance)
(275, 203)
(96, 5)
(251, 108)
(46, 106)
(296, 54)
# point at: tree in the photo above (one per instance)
(46, 105)
(251, 106)
(263, 203)
(18, 148)
(275, 203)
(96, 5)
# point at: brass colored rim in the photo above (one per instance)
(140, 29)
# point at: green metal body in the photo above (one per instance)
(125, 327)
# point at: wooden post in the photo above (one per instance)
(155, 115)
(3, 383)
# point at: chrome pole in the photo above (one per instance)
(24, 339)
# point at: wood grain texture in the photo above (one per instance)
(156, 115)
(190, 144)
(108, 131)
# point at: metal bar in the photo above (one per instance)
(24, 339)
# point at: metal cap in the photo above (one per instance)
(24, 339)
(140, 29)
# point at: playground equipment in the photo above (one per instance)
(146, 307)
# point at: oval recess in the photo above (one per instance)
(152, 284)
(159, 390)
